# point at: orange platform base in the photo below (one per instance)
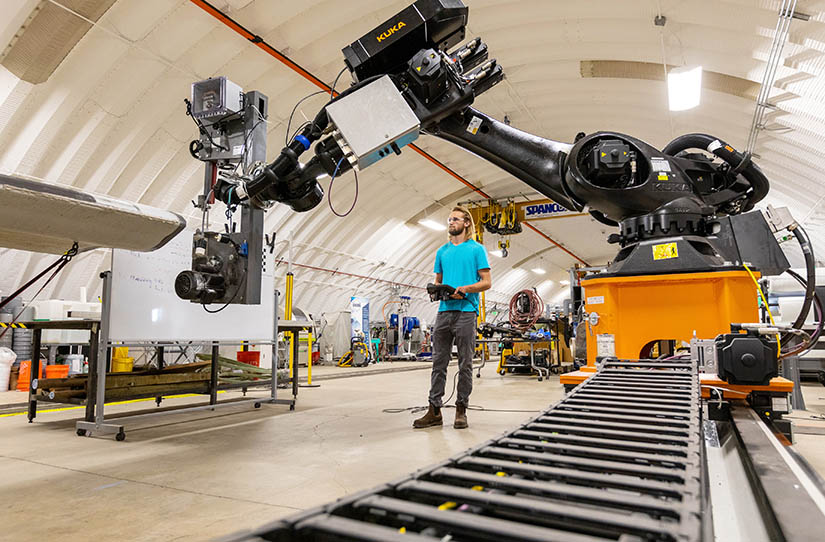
(729, 391)
(635, 311)
(575, 378)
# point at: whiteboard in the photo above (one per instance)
(144, 306)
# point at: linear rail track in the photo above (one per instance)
(619, 458)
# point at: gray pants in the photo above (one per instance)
(459, 327)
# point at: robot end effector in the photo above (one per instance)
(405, 82)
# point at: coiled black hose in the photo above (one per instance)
(810, 269)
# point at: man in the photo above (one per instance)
(461, 263)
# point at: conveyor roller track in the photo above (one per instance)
(619, 458)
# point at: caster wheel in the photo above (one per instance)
(503, 372)
(257, 405)
(81, 432)
(540, 379)
(120, 437)
(291, 407)
(478, 375)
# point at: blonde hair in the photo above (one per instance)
(469, 217)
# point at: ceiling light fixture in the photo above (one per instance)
(538, 271)
(432, 224)
(497, 253)
(684, 88)
(564, 282)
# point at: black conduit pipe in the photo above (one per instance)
(810, 268)
(759, 183)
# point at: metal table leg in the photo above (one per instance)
(274, 391)
(273, 396)
(159, 352)
(483, 359)
(91, 379)
(295, 336)
(213, 377)
(34, 372)
(99, 425)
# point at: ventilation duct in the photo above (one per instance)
(624, 69)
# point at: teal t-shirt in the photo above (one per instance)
(459, 266)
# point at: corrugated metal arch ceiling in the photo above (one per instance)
(109, 119)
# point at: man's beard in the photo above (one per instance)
(457, 232)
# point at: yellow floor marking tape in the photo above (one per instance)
(108, 404)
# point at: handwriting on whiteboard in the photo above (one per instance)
(155, 284)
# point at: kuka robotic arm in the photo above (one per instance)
(407, 83)
(616, 177)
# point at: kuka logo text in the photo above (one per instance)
(391, 31)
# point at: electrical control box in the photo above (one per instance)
(373, 122)
(216, 97)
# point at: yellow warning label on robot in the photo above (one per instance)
(665, 251)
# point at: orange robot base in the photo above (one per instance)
(638, 310)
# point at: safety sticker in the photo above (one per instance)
(237, 149)
(665, 251)
(605, 345)
(715, 144)
(474, 125)
(595, 300)
(660, 164)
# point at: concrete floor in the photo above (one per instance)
(203, 475)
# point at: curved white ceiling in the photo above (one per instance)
(110, 119)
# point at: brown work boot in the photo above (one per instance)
(430, 419)
(460, 417)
